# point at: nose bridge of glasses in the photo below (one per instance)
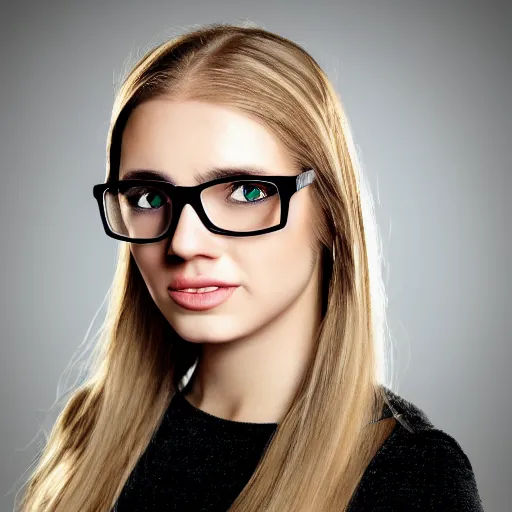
(182, 197)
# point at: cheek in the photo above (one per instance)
(149, 261)
(281, 263)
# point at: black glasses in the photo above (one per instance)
(143, 211)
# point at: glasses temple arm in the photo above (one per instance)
(305, 178)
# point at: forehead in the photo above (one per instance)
(182, 140)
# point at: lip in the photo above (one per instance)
(204, 300)
(182, 282)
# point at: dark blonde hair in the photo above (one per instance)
(327, 438)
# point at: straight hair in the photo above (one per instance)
(321, 448)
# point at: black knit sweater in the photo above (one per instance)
(199, 462)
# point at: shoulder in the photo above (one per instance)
(419, 466)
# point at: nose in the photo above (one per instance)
(191, 237)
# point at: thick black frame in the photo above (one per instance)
(180, 196)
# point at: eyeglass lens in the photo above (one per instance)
(146, 211)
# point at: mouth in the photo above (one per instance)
(200, 290)
(201, 299)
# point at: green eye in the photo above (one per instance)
(156, 200)
(142, 198)
(250, 192)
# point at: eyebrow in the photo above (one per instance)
(211, 174)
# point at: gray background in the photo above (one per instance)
(427, 87)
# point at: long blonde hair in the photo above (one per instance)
(324, 443)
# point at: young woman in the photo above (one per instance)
(239, 366)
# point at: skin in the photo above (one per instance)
(257, 344)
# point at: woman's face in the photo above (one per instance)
(179, 139)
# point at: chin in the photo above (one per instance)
(200, 338)
(194, 330)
